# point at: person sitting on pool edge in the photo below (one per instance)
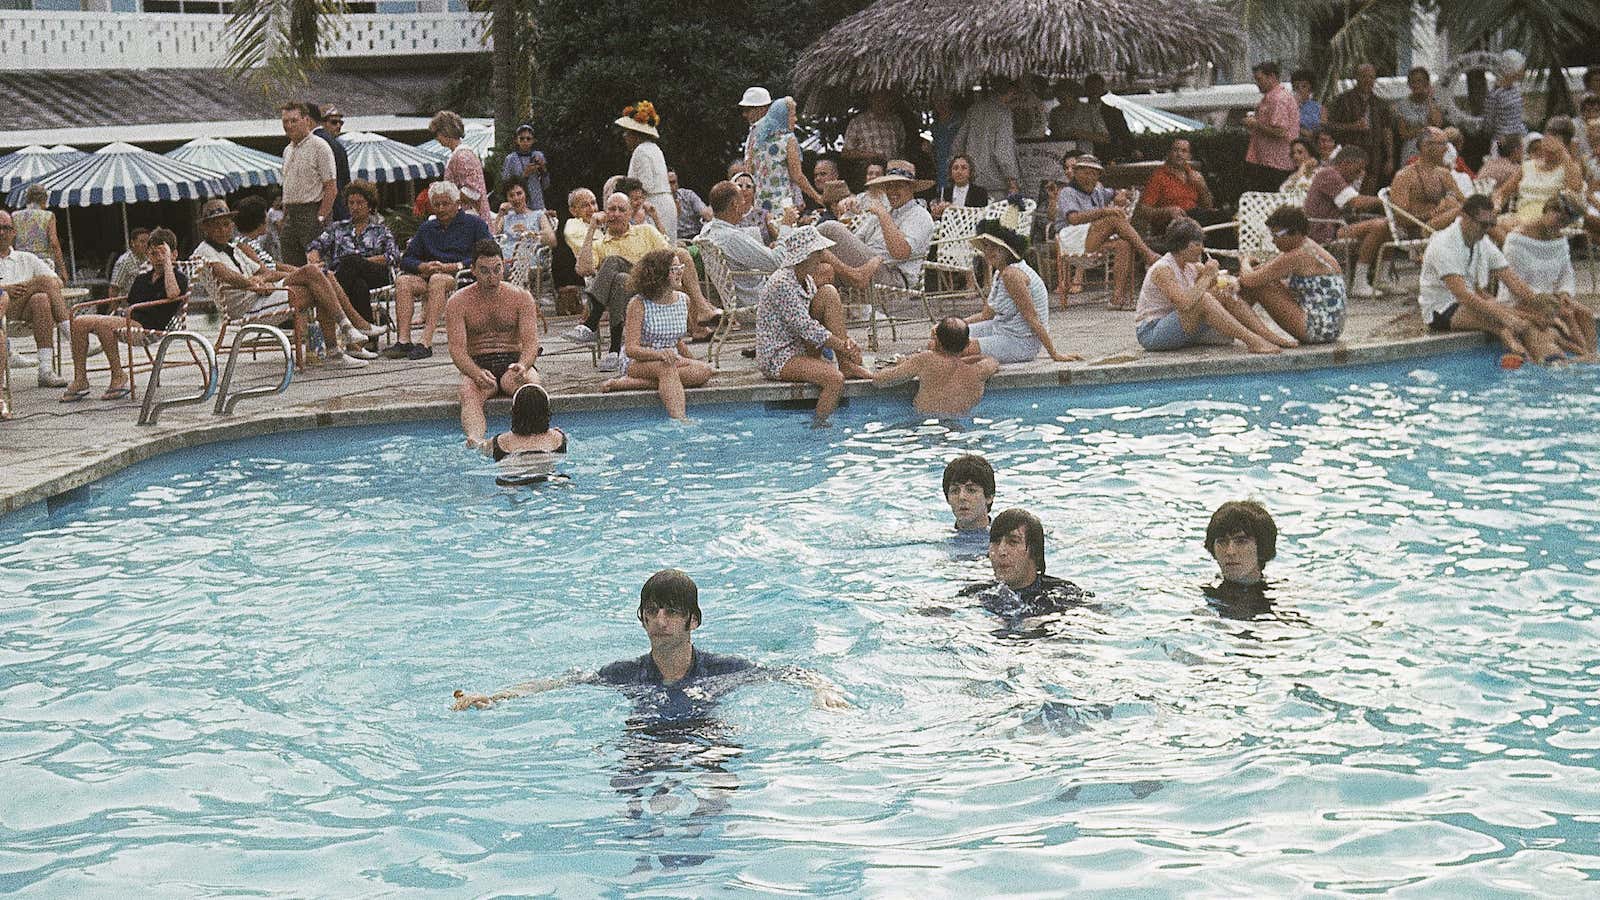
(1016, 551)
(493, 329)
(948, 383)
(669, 611)
(969, 489)
(1242, 538)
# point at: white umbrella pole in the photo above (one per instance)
(125, 241)
(72, 250)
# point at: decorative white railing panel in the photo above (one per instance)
(32, 40)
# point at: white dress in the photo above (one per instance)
(650, 167)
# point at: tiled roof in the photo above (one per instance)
(68, 99)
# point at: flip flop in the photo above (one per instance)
(117, 393)
(74, 396)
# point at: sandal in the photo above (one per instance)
(74, 396)
(117, 393)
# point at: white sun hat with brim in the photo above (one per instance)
(798, 245)
(756, 96)
(636, 125)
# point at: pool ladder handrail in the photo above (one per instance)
(225, 402)
(151, 409)
(5, 369)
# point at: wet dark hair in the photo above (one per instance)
(1245, 516)
(1289, 218)
(1477, 203)
(1180, 233)
(251, 214)
(165, 237)
(652, 274)
(627, 185)
(970, 467)
(530, 410)
(487, 248)
(671, 589)
(952, 334)
(1032, 532)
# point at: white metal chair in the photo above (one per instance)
(1397, 242)
(952, 265)
(738, 323)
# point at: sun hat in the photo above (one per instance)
(902, 170)
(756, 96)
(990, 231)
(332, 112)
(215, 208)
(1512, 61)
(1089, 161)
(796, 246)
(524, 127)
(640, 117)
(1529, 139)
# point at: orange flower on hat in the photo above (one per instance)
(643, 112)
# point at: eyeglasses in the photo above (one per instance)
(1280, 232)
(677, 267)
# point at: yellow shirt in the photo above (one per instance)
(632, 246)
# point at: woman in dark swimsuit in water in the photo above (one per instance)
(527, 451)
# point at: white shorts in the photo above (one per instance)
(249, 304)
(1071, 240)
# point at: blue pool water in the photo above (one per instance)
(227, 671)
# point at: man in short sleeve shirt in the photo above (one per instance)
(1456, 267)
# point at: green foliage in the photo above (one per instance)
(691, 60)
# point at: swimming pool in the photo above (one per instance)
(228, 670)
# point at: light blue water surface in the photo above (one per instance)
(227, 671)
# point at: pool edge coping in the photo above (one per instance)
(1046, 375)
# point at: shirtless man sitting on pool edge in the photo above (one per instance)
(494, 338)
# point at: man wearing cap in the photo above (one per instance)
(797, 319)
(332, 125)
(753, 105)
(1089, 215)
(527, 167)
(310, 183)
(899, 231)
(988, 139)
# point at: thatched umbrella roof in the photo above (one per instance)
(918, 46)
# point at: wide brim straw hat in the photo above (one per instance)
(215, 208)
(990, 231)
(635, 125)
(798, 245)
(902, 170)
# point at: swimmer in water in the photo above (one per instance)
(673, 680)
(1021, 588)
(969, 489)
(1242, 538)
(527, 453)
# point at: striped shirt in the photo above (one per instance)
(1502, 114)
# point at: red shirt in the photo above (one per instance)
(1166, 189)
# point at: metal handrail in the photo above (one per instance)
(5, 368)
(151, 409)
(225, 403)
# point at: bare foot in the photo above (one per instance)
(1284, 341)
(855, 372)
(861, 275)
(609, 385)
(1260, 345)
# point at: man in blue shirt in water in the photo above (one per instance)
(1021, 589)
(674, 680)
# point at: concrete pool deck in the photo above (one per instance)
(49, 448)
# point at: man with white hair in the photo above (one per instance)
(441, 248)
(1502, 107)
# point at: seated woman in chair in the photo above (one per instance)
(1181, 303)
(159, 281)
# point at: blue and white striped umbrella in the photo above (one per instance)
(67, 154)
(376, 158)
(123, 173)
(247, 167)
(26, 165)
(479, 139)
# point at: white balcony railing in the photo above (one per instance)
(34, 40)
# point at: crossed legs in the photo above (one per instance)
(105, 328)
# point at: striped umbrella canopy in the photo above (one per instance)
(479, 139)
(1149, 120)
(123, 173)
(68, 154)
(247, 167)
(27, 164)
(376, 158)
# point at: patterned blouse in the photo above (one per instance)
(341, 240)
(784, 327)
